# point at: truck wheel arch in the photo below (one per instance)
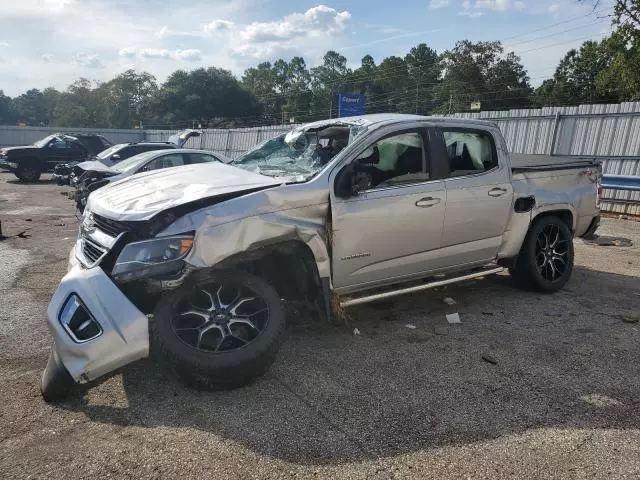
(566, 214)
(289, 266)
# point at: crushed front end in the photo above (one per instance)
(97, 324)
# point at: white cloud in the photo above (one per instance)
(261, 39)
(47, 57)
(218, 26)
(87, 60)
(434, 4)
(4, 44)
(554, 8)
(519, 5)
(493, 4)
(128, 52)
(189, 55)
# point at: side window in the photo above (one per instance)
(127, 152)
(201, 158)
(58, 144)
(166, 161)
(469, 152)
(393, 161)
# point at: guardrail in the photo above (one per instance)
(621, 182)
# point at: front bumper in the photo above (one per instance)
(7, 165)
(125, 330)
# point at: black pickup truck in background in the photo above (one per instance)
(29, 162)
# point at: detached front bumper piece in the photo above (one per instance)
(95, 326)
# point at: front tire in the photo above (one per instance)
(29, 171)
(545, 262)
(220, 331)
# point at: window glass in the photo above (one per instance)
(58, 143)
(166, 161)
(201, 158)
(392, 161)
(469, 152)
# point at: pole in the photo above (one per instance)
(417, 86)
(330, 103)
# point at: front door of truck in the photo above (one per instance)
(479, 195)
(390, 227)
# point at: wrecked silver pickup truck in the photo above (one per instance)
(200, 261)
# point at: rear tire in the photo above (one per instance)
(29, 171)
(545, 262)
(215, 347)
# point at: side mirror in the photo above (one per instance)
(115, 157)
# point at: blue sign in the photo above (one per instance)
(350, 104)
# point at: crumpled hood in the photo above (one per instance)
(142, 196)
(95, 166)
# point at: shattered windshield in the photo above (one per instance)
(300, 154)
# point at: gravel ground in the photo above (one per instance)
(560, 399)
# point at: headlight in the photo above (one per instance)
(151, 257)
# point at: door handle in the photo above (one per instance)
(427, 202)
(497, 192)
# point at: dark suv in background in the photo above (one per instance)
(30, 161)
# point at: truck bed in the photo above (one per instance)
(523, 162)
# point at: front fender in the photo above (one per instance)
(214, 243)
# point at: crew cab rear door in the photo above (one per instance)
(391, 228)
(479, 194)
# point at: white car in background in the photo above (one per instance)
(89, 176)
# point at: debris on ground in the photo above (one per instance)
(490, 314)
(453, 318)
(449, 301)
(489, 359)
(605, 241)
(631, 317)
(356, 331)
(410, 326)
(28, 220)
(59, 225)
(441, 330)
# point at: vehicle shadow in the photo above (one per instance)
(42, 181)
(409, 381)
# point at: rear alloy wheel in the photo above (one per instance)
(545, 262)
(221, 331)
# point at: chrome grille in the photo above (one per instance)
(92, 251)
(112, 228)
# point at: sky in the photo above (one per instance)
(54, 42)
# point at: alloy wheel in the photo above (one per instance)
(552, 253)
(218, 317)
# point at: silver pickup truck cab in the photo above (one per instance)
(200, 261)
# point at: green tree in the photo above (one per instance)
(30, 108)
(423, 71)
(261, 81)
(481, 72)
(6, 113)
(326, 80)
(207, 96)
(80, 106)
(128, 98)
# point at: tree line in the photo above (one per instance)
(423, 81)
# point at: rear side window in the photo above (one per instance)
(201, 158)
(469, 151)
(166, 161)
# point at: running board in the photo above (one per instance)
(418, 288)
